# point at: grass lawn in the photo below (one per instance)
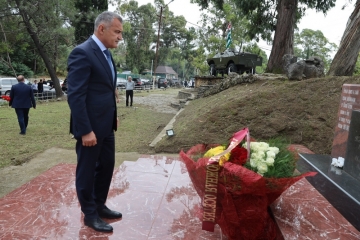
(49, 127)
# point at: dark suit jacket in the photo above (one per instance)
(91, 91)
(22, 96)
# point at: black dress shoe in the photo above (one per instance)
(98, 225)
(107, 213)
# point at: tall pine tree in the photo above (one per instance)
(84, 19)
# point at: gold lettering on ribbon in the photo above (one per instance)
(212, 178)
(211, 182)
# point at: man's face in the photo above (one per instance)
(112, 34)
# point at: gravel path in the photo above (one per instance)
(159, 102)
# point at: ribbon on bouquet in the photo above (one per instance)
(212, 179)
(235, 140)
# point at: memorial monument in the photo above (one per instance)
(340, 184)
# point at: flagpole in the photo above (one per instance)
(228, 37)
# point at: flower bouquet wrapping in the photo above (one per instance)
(238, 182)
(6, 98)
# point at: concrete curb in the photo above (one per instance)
(163, 132)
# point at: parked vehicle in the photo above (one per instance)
(141, 83)
(137, 82)
(64, 86)
(174, 83)
(232, 61)
(7, 82)
(5, 85)
(145, 81)
(50, 83)
(162, 83)
(47, 89)
(120, 82)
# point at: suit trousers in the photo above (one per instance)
(95, 166)
(23, 118)
(129, 93)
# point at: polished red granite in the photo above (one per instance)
(154, 194)
(301, 212)
(157, 200)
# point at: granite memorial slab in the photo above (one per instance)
(337, 186)
(340, 185)
(349, 101)
(352, 158)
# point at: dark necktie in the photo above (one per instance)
(108, 58)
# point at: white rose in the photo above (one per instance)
(270, 154)
(264, 145)
(274, 149)
(262, 168)
(258, 155)
(253, 162)
(270, 161)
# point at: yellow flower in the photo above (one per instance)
(215, 151)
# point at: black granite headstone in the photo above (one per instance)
(352, 159)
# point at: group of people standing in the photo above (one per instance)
(189, 83)
(38, 87)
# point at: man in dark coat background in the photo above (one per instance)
(91, 96)
(22, 99)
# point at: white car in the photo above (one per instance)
(145, 81)
(120, 82)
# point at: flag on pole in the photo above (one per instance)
(228, 38)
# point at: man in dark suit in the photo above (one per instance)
(40, 86)
(22, 99)
(91, 97)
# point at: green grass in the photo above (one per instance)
(49, 127)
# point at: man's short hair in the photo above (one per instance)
(106, 18)
(20, 78)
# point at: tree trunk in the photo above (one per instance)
(284, 35)
(345, 59)
(36, 40)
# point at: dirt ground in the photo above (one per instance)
(159, 102)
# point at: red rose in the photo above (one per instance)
(238, 155)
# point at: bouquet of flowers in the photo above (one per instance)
(238, 182)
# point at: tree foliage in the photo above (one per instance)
(313, 43)
(254, 48)
(16, 56)
(42, 21)
(273, 16)
(214, 23)
(138, 34)
(87, 11)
